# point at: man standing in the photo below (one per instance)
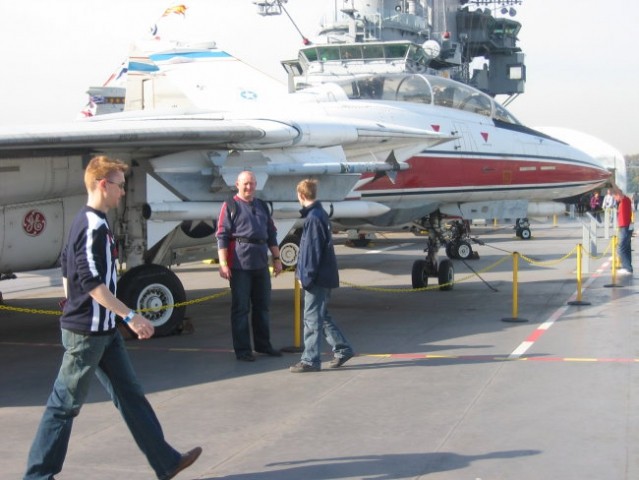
(318, 274)
(624, 219)
(92, 342)
(595, 205)
(608, 204)
(245, 234)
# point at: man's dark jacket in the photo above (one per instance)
(317, 264)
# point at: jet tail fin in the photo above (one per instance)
(188, 75)
(110, 97)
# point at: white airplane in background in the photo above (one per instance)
(196, 117)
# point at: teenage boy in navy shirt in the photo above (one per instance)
(93, 344)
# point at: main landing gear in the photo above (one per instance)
(153, 290)
(456, 239)
(522, 228)
(290, 248)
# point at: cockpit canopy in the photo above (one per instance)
(426, 89)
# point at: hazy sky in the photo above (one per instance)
(581, 57)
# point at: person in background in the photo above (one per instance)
(608, 204)
(595, 205)
(93, 345)
(318, 274)
(624, 222)
(245, 234)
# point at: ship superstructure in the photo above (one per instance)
(417, 36)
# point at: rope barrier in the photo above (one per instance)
(155, 309)
(515, 255)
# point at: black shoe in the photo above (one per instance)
(302, 367)
(339, 361)
(186, 460)
(270, 352)
(246, 357)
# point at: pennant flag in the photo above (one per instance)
(435, 127)
(485, 136)
(177, 9)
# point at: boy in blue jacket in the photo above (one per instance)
(317, 273)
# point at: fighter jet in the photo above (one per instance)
(195, 117)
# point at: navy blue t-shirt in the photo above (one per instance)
(88, 260)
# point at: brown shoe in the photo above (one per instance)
(186, 460)
(301, 367)
(339, 361)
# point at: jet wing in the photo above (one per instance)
(152, 136)
(160, 135)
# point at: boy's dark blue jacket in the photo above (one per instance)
(317, 264)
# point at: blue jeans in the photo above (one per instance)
(250, 292)
(624, 248)
(107, 358)
(317, 320)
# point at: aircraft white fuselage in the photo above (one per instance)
(387, 156)
(197, 157)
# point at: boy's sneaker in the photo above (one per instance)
(339, 361)
(302, 367)
(624, 271)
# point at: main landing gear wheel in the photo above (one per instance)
(524, 234)
(463, 250)
(419, 274)
(522, 229)
(360, 242)
(290, 250)
(146, 288)
(445, 275)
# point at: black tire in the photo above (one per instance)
(525, 234)
(419, 274)
(290, 250)
(360, 242)
(445, 275)
(450, 250)
(463, 250)
(148, 287)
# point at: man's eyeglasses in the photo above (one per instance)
(120, 185)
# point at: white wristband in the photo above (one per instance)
(129, 317)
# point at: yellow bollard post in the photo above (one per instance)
(297, 330)
(614, 266)
(554, 220)
(494, 222)
(579, 283)
(297, 319)
(515, 318)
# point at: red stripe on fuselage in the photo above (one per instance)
(433, 171)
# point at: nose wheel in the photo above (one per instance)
(430, 267)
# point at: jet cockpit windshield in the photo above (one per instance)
(426, 89)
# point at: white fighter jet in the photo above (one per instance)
(195, 117)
